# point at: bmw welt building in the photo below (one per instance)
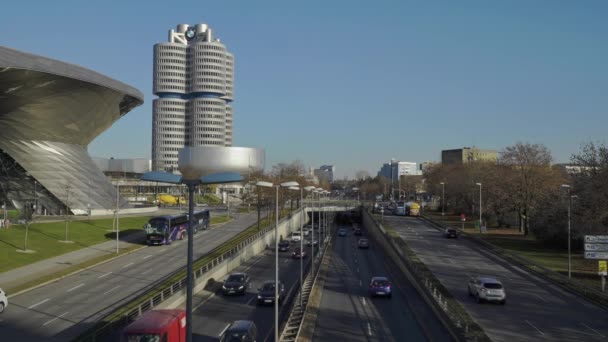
(49, 112)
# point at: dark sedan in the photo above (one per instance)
(236, 283)
(451, 233)
(380, 286)
(284, 246)
(298, 253)
(266, 293)
(363, 243)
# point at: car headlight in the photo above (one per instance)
(259, 297)
(241, 287)
(223, 287)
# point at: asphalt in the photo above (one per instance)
(213, 314)
(347, 313)
(61, 310)
(535, 310)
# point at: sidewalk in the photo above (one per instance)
(43, 268)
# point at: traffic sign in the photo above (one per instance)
(602, 267)
(596, 255)
(463, 217)
(596, 238)
(596, 247)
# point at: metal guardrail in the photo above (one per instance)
(596, 296)
(455, 317)
(154, 297)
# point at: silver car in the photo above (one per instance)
(3, 301)
(485, 288)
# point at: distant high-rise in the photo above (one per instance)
(467, 154)
(193, 79)
(325, 172)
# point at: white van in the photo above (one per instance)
(3, 301)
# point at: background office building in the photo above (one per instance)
(325, 173)
(395, 169)
(467, 154)
(193, 79)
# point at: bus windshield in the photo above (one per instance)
(157, 226)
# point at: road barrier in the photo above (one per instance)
(447, 309)
(596, 296)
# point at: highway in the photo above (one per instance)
(535, 310)
(212, 315)
(347, 313)
(63, 309)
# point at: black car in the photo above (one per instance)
(284, 246)
(298, 253)
(237, 283)
(451, 233)
(363, 243)
(266, 293)
(358, 232)
(240, 331)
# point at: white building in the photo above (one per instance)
(193, 79)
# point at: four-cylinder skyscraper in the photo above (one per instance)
(193, 79)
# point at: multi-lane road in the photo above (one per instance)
(214, 314)
(535, 310)
(63, 309)
(347, 313)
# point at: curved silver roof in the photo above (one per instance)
(11, 58)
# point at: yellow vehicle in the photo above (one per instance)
(169, 200)
(413, 209)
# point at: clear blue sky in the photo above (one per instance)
(354, 83)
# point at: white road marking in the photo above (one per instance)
(590, 328)
(127, 265)
(48, 322)
(224, 330)
(75, 287)
(112, 289)
(357, 269)
(539, 297)
(251, 300)
(35, 305)
(147, 256)
(532, 325)
(364, 303)
(104, 275)
(369, 329)
(146, 271)
(360, 283)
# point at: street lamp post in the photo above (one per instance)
(480, 220)
(301, 242)
(567, 187)
(117, 225)
(320, 192)
(276, 252)
(442, 199)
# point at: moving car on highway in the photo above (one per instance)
(298, 253)
(296, 237)
(363, 243)
(284, 246)
(240, 331)
(266, 293)
(237, 283)
(380, 286)
(3, 301)
(342, 232)
(450, 233)
(358, 231)
(486, 288)
(311, 242)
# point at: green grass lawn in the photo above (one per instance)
(220, 219)
(44, 238)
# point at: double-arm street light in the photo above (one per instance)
(480, 221)
(276, 251)
(301, 240)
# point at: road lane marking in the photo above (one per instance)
(539, 297)
(127, 265)
(112, 289)
(532, 325)
(251, 300)
(364, 303)
(75, 287)
(48, 322)
(360, 282)
(147, 256)
(590, 328)
(224, 330)
(369, 329)
(42, 302)
(104, 275)
(357, 269)
(146, 271)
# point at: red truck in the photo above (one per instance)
(157, 325)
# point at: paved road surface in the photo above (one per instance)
(347, 313)
(535, 309)
(212, 316)
(61, 310)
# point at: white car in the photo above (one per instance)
(296, 237)
(3, 301)
(485, 288)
